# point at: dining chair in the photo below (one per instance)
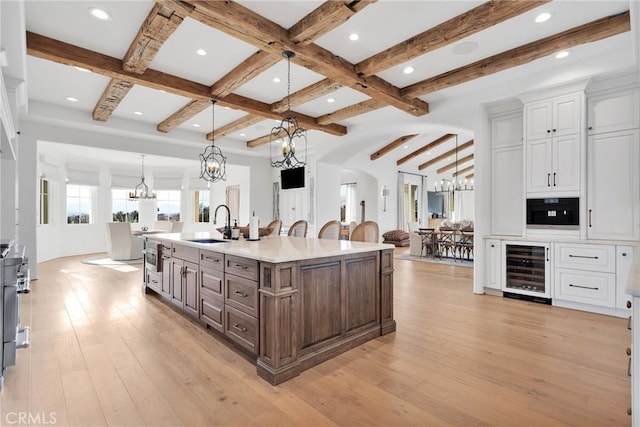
(465, 243)
(121, 244)
(298, 229)
(447, 242)
(176, 227)
(276, 227)
(331, 230)
(367, 231)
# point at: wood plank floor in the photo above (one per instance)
(103, 353)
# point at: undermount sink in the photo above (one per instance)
(208, 240)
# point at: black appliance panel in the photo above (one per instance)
(558, 212)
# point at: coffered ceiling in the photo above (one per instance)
(144, 66)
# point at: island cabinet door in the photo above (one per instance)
(167, 278)
(362, 292)
(212, 297)
(177, 272)
(191, 290)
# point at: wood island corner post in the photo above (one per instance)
(388, 324)
(279, 308)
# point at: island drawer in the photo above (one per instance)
(186, 253)
(586, 257)
(213, 260)
(165, 249)
(241, 294)
(211, 283)
(243, 267)
(154, 281)
(212, 313)
(242, 329)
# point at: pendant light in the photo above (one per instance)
(288, 135)
(141, 191)
(456, 184)
(212, 161)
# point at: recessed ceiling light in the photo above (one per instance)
(100, 14)
(137, 113)
(465, 48)
(408, 69)
(243, 134)
(227, 108)
(196, 125)
(354, 36)
(428, 152)
(449, 159)
(331, 100)
(71, 99)
(543, 17)
(276, 79)
(201, 52)
(84, 70)
(562, 54)
(406, 146)
(162, 90)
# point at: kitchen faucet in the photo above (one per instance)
(227, 227)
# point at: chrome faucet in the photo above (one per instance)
(227, 227)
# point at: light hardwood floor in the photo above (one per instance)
(103, 353)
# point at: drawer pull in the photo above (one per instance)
(583, 287)
(582, 256)
(629, 324)
(211, 259)
(242, 294)
(590, 210)
(629, 368)
(155, 281)
(240, 328)
(629, 411)
(628, 351)
(628, 304)
(244, 267)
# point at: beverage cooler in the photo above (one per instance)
(526, 271)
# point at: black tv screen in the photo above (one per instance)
(292, 178)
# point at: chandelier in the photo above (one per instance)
(456, 184)
(212, 161)
(141, 191)
(288, 132)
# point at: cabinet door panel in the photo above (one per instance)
(566, 115)
(565, 174)
(506, 131)
(191, 288)
(613, 112)
(612, 186)
(176, 282)
(507, 198)
(166, 277)
(538, 167)
(493, 264)
(538, 120)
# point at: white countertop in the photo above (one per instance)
(561, 239)
(275, 248)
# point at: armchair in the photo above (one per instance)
(121, 244)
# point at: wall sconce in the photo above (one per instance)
(384, 193)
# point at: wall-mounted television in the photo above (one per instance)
(292, 178)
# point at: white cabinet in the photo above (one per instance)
(585, 273)
(553, 117)
(613, 185)
(294, 206)
(613, 111)
(507, 197)
(493, 263)
(624, 261)
(553, 144)
(635, 363)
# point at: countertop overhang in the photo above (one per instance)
(273, 249)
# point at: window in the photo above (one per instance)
(123, 209)
(168, 205)
(348, 203)
(202, 205)
(44, 201)
(79, 203)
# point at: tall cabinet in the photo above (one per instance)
(613, 160)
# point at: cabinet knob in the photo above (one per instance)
(629, 411)
(493, 246)
(628, 304)
(554, 130)
(624, 254)
(628, 351)
(590, 128)
(548, 130)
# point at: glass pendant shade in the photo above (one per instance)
(212, 161)
(288, 134)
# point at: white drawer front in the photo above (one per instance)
(586, 257)
(586, 287)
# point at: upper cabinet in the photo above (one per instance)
(613, 111)
(553, 117)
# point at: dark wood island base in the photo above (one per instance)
(290, 315)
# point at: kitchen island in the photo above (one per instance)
(288, 302)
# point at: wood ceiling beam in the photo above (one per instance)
(115, 92)
(442, 156)
(463, 171)
(324, 18)
(391, 146)
(477, 19)
(264, 139)
(192, 108)
(470, 176)
(244, 24)
(243, 73)
(236, 125)
(64, 53)
(309, 93)
(351, 111)
(160, 23)
(587, 33)
(453, 164)
(427, 147)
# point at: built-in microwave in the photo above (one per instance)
(554, 212)
(152, 256)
